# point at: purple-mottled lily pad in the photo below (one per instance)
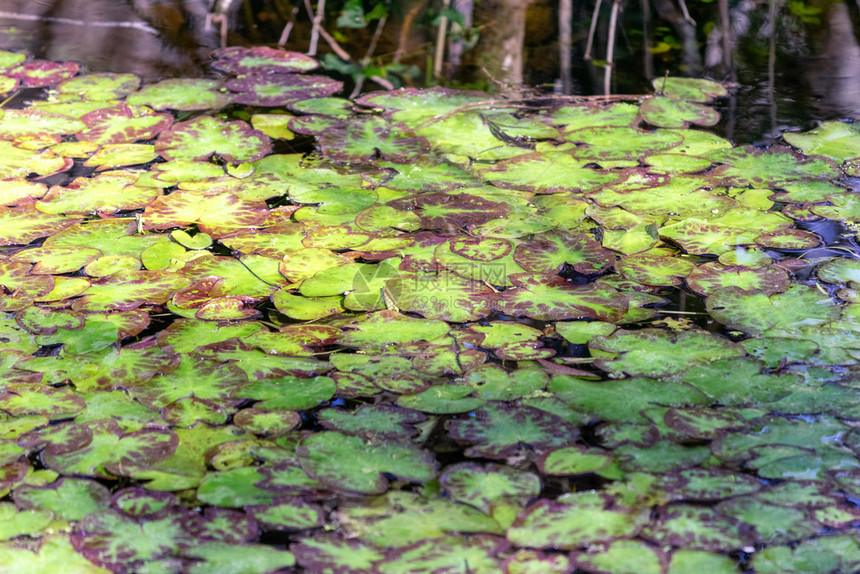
(654, 268)
(41, 73)
(119, 542)
(215, 214)
(123, 124)
(267, 89)
(482, 485)
(373, 421)
(550, 297)
(289, 514)
(239, 60)
(772, 168)
(480, 555)
(698, 528)
(441, 210)
(202, 379)
(403, 518)
(203, 137)
(499, 431)
(577, 520)
(105, 193)
(20, 162)
(350, 464)
(373, 137)
(28, 122)
(330, 553)
(547, 252)
(441, 296)
(109, 449)
(18, 191)
(130, 290)
(710, 276)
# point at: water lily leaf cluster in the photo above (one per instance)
(249, 326)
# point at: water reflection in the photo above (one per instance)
(816, 75)
(154, 39)
(834, 71)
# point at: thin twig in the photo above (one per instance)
(317, 28)
(285, 35)
(591, 30)
(610, 49)
(439, 54)
(565, 41)
(405, 29)
(359, 84)
(686, 12)
(726, 32)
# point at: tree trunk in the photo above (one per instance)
(500, 48)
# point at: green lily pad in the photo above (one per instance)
(771, 168)
(576, 520)
(201, 138)
(673, 113)
(755, 312)
(479, 556)
(837, 140)
(654, 353)
(624, 557)
(688, 89)
(323, 552)
(619, 143)
(186, 94)
(350, 464)
(498, 432)
(708, 277)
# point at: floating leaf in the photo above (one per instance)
(201, 138)
(688, 89)
(351, 464)
(498, 432)
(238, 60)
(577, 520)
(837, 140)
(264, 88)
(185, 94)
(672, 113)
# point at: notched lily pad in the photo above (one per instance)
(350, 464)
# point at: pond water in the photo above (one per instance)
(421, 331)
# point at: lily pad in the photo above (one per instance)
(350, 464)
